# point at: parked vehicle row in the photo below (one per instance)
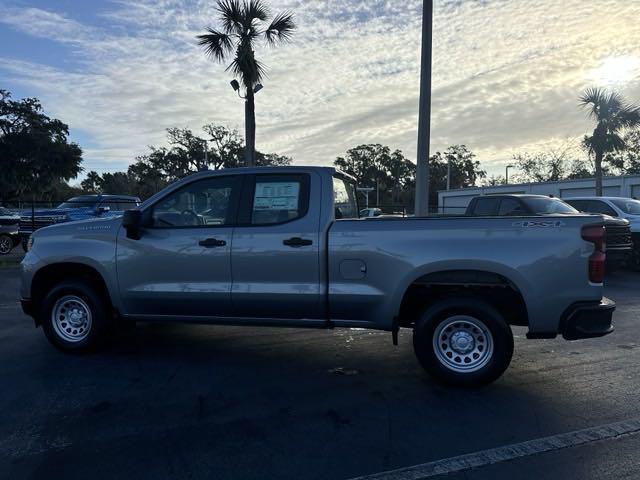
(78, 208)
(286, 247)
(622, 208)
(619, 243)
(9, 236)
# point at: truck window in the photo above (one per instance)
(581, 205)
(205, 203)
(344, 199)
(509, 207)
(279, 199)
(596, 206)
(486, 206)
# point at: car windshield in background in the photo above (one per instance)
(78, 202)
(548, 206)
(4, 211)
(632, 207)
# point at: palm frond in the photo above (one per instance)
(255, 10)
(629, 116)
(281, 28)
(216, 44)
(232, 16)
(593, 98)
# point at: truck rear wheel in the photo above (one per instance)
(74, 317)
(463, 341)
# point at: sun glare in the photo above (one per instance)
(616, 70)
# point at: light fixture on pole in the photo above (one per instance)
(424, 113)
(506, 174)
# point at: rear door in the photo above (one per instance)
(276, 248)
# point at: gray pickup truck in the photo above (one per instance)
(285, 247)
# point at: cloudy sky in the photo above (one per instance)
(506, 77)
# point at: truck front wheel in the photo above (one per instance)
(463, 341)
(74, 317)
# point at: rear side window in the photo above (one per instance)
(486, 206)
(279, 199)
(344, 199)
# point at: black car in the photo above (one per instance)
(618, 231)
(9, 237)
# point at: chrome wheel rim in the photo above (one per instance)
(71, 318)
(5, 245)
(463, 344)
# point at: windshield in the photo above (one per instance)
(628, 205)
(78, 202)
(548, 206)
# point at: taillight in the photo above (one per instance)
(596, 235)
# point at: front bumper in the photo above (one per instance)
(588, 320)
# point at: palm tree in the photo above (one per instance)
(244, 23)
(612, 114)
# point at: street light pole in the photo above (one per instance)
(506, 174)
(449, 173)
(424, 113)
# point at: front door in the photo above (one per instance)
(276, 248)
(181, 265)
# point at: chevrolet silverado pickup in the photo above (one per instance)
(284, 247)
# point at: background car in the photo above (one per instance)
(617, 207)
(9, 237)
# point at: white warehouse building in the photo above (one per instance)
(456, 201)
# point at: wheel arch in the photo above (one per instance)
(50, 275)
(495, 288)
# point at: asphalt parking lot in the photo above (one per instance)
(195, 402)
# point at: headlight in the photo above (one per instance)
(30, 243)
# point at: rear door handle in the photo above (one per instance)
(212, 243)
(296, 242)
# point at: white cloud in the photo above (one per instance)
(506, 74)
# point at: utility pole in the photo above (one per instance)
(449, 173)
(424, 113)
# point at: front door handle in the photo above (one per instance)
(296, 242)
(212, 243)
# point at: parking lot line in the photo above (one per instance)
(510, 452)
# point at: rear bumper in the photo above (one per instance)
(588, 320)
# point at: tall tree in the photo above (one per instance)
(35, 152)
(465, 171)
(391, 174)
(244, 23)
(627, 161)
(612, 115)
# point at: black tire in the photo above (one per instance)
(95, 333)
(6, 244)
(471, 314)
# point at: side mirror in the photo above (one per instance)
(132, 223)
